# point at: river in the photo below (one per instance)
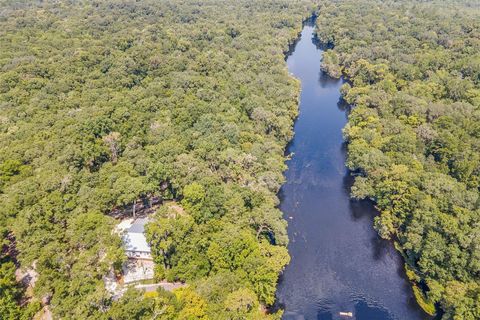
(338, 261)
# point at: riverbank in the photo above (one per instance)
(410, 136)
(338, 262)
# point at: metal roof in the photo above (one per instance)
(134, 238)
(136, 242)
(138, 226)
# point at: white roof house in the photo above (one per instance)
(136, 245)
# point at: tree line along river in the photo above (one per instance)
(339, 264)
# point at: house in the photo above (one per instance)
(140, 263)
(138, 270)
(136, 246)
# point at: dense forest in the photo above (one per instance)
(413, 78)
(107, 102)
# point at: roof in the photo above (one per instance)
(134, 238)
(136, 242)
(138, 226)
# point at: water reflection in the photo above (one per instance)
(325, 81)
(338, 261)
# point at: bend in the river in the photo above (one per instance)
(339, 264)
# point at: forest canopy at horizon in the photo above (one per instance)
(106, 102)
(414, 134)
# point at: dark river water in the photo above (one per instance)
(338, 261)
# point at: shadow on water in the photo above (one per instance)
(326, 81)
(291, 47)
(339, 263)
